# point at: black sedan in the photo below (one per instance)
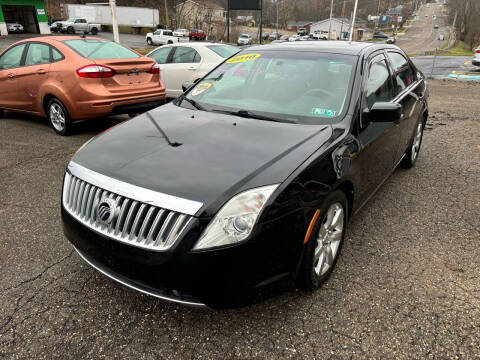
(245, 184)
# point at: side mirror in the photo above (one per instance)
(187, 85)
(384, 112)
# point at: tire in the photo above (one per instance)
(170, 41)
(149, 42)
(94, 31)
(59, 117)
(2, 113)
(70, 30)
(411, 155)
(314, 271)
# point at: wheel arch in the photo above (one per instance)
(349, 189)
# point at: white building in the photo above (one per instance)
(340, 29)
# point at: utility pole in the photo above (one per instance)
(343, 16)
(113, 11)
(330, 27)
(352, 25)
(378, 15)
(277, 16)
(166, 14)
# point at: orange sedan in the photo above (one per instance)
(68, 78)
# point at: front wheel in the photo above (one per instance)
(326, 239)
(70, 30)
(413, 151)
(59, 117)
(149, 42)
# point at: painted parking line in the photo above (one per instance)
(464, 76)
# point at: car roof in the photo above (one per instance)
(338, 47)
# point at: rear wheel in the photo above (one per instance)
(149, 42)
(326, 240)
(413, 151)
(59, 117)
(70, 30)
(94, 31)
(170, 41)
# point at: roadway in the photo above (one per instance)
(421, 36)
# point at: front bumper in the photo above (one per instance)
(221, 278)
(476, 62)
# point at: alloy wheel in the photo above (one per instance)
(417, 141)
(57, 117)
(329, 238)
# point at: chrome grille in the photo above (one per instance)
(137, 223)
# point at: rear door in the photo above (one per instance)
(33, 74)
(407, 93)
(184, 65)
(10, 63)
(162, 57)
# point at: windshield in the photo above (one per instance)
(224, 51)
(244, 36)
(292, 86)
(71, 20)
(100, 49)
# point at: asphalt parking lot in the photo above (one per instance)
(407, 284)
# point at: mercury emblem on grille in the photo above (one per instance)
(107, 210)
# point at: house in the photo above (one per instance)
(199, 14)
(296, 25)
(340, 28)
(396, 11)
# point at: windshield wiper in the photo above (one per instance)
(249, 115)
(193, 103)
(219, 77)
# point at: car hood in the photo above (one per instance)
(201, 156)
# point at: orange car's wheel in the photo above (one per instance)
(59, 117)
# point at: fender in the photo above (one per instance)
(51, 88)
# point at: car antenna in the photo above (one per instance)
(154, 122)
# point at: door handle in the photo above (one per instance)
(192, 68)
(41, 72)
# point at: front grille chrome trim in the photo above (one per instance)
(150, 197)
(134, 223)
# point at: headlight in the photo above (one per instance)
(235, 221)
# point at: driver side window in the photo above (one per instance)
(379, 84)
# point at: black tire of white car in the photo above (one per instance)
(70, 30)
(149, 42)
(61, 128)
(94, 31)
(308, 279)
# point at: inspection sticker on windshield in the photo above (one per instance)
(243, 58)
(201, 88)
(324, 112)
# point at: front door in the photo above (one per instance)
(183, 67)
(378, 140)
(10, 63)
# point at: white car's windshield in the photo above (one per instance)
(293, 86)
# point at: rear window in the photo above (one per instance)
(224, 51)
(100, 49)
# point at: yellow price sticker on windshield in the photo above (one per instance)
(243, 58)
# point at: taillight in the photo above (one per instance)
(155, 69)
(95, 72)
(477, 51)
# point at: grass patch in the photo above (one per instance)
(447, 42)
(460, 49)
(143, 51)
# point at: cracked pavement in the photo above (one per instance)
(407, 284)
